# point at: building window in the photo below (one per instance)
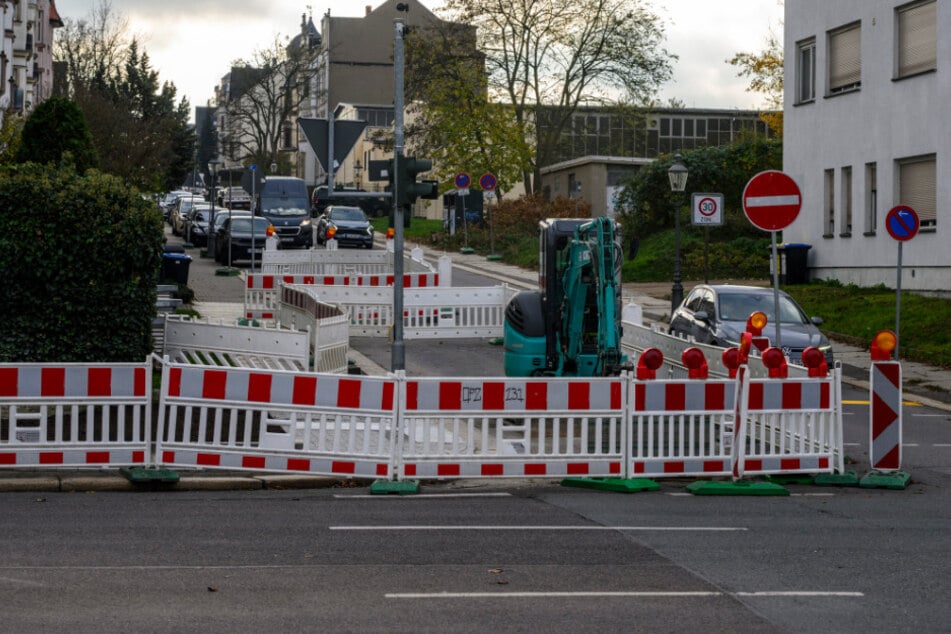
(917, 188)
(806, 70)
(917, 38)
(288, 137)
(871, 198)
(828, 195)
(845, 59)
(846, 175)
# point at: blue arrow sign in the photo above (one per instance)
(902, 223)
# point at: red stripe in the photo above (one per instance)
(214, 383)
(268, 281)
(8, 458)
(579, 396)
(99, 382)
(675, 397)
(259, 388)
(493, 395)
(253, 462)
(304, 391)
(823, 462)
(9, 379)
(450, 395)
(409, 470)
(639, 467)
(493, 469)
(97, 457)
(616, 395)
(756, 396)
(792, 396)
(53, 382)
(168, 456)
(714, 395)
(138, 382)
(138, 457)
(882, 416)
(382, 470)
(448, 470)
(674, 467)
(536, 469)
(640, 397)
(614, 467)
(825, 400)
(412, 395)
(754, 465)
(578, 468)
(309, 280)
(298, 464)
(536, 396)
(790, 464)
(175, 382)
(889, 460)
(712, 465)
(51, 457)
(339, 466)
(348, 393)
(208, 459)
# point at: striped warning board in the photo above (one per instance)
(113, 381)
(513, 395)
(885, 416)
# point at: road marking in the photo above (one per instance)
(905, 403)
(609, 594)
(942, 444)
(498, 494)
(711, 529)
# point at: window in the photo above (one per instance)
(917, 37)
(917, 188)
(829, 203)
(846, 175)
(806, 70)
(845, 59)
(871, 198)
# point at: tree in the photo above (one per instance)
(546, 58)
(54, 129)
(453, 122)
(765, 72)
(257, 117)
(140, 132)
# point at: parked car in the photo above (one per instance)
(240, 237)
(196, 225)
(717, 315)
(183, 205)
(234, 198)
(283, 201)
(221, 215)
(373, 204)
(348, 225)
(168, 201)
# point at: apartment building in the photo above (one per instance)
(26, 55)
(866, 129)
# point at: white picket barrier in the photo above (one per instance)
(681, 427)
(290, 422)
(794, 426)
(326, 324)
(537, 428)
(198, 342)
(75, 415)
(339, 262)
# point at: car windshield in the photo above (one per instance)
(243, 225)
(348, 213)
(200, 216)
(739, 307)
(283, 207)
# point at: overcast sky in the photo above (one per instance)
(193, 42)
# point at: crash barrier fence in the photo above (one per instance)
(306, 335)
(340, 262)
(397, 428)
(75, 415)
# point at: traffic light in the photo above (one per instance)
(408, 189)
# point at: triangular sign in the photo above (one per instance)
(346, 134)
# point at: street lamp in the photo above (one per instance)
(357, 169)
(678, 183)
(213, 165)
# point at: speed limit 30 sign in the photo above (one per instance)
(707, 210)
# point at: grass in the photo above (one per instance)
(851, 314)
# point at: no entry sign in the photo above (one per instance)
(771, 200)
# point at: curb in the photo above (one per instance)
(89, 483)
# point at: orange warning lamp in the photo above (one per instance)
(755, 323)
(270, 231)
(331, 232)
(390, 232)
(882, 345)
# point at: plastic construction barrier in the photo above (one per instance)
(239, 419)
(75, 415)
(542, 428)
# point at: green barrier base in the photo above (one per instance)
(467, 250)
(741, 487)
(847, 479)
(896, 480)
(618, 485)
(391, 487)
(142, 476)
(227, 271)
(493, 257)
(797, 478)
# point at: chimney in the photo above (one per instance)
(369, 9)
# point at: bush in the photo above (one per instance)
(80, 257)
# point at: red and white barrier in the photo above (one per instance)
(885, 416)
(75, 415)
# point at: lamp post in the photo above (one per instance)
(678, 183)
(213, 165)
(357, 169)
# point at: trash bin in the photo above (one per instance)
(175, 267)
(793, 268)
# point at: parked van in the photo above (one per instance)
(283, 200)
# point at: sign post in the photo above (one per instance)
(771, 201)
(462, 187)
(707, 212)
(487, 182)
(902, 224)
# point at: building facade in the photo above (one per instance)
(865, 131)
(26, 56)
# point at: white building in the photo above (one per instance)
(26, 57)
(866, 129)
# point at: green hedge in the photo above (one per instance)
(79, 259)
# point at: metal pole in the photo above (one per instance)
(779, 338)
(253, 210)
(398, 356)
(898, 302)
(677, 290)
(210, 235)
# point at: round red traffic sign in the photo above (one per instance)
(771, 200)
(487, 182)
(462, 180)
(902, 223)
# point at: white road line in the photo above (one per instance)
(608, 594)
(711, 529)
(942, 444)
(416, 496)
